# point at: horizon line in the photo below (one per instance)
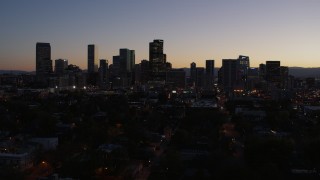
(172, 68)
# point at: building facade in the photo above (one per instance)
(209, 74)
(103, 73)
(157, 60)
(60, 66)
(229, 74)
(273, 71)
(193, 74)
(92, 58)
(43, 59)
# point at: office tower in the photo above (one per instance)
(76, 77)
(60, 66)
(262, 71)
(193, 73)
(125, 61)
(244, 62)
(126, 66)
(157, 60)
(92, 58)
(116, 66)
(284, 76)
(242, 71)
(229, 74)
(117, 72)
(145, 71)
(131, 74)
(60, 70)
(132, 60)
(273, 71)
(103, 72)
(43, 60)
(253, 79)
(156, 52)
(243, 67)
(253, 72)
(200, 77)
(209, 73)
(137, 74)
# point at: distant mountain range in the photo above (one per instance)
(16, 72)
(304, 72)
(295, 71)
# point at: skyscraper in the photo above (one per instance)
(60, 66)
(262, 71)
(284, 76)
(92, 58)
(209, 73)
(193, 73)
(200, 77)
(43, 59)
(156, 51)
(116, 66)
(273, 71)
(242, 71)
(229, 74)
(117, 72)
(125, 61)
(103, 73)
(157, 60)
(132, 60)
(145, 71)
(243, 62)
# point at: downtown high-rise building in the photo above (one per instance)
(242, 71)
(262, 71)
(244, 63)
(43, 59)
(273, 71)
(92, 58)
(60, 66)
(209, 73)
(200, 77)
(123, 68)
(284, 77)
(116, 66)
(157, 60)
(132, 60)
(193, 74)
(229, 74)
(127, 60)
(103, 73)
(144, 72)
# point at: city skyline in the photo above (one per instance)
(193, 31)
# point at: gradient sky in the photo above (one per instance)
(192, 30)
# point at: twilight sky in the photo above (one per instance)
(192, 30)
